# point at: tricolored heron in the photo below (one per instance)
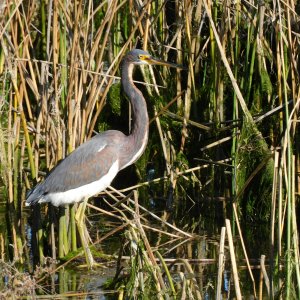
(90, 168)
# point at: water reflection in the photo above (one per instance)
(193, 258)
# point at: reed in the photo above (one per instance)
(221, 263)
(224, 129)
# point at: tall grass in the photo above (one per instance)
(216, 131)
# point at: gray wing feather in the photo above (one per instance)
(84, 165)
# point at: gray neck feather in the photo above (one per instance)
(139, 135)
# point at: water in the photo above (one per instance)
(200, 252)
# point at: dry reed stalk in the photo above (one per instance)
(164, 145)
(112, 232)
(295, 239)
(178, 39)
(221, 263)
(3, 154)
(216, 143)
(129, 210)
(280, 220)
(79, 117)
(219, 109)
(139, 259)
(273, 216)
(163, 109)
(161, 231)
(147, 245)
(105, 212)
(56, 105)
(288, 157)
(261, 284)
(291, 51)
(180, 243)
(147, 26)
(191, 282)
(287, 166)
(91, 123)
(244, 248)
(233, 261)
(76, 84)
(189, 122)
(187, 9)
(183, 287)
(124, 206)
(167, 272)
(227, 66)
(174, 261)
(154, 216)
(181, 173)
(265, 275)
(168, 150)
(9, 20)
(109, 19)
(9, 154)
(163, 139)
(164, 245)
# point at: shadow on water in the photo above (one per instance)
(202, 219)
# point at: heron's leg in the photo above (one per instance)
(79, 217)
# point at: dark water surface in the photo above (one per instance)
(76, 282)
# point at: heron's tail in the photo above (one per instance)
(34, 195)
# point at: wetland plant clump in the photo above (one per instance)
(223, 141)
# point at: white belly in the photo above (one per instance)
(85, 191)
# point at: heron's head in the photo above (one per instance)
(141, 57)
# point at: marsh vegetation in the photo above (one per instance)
(216, 191)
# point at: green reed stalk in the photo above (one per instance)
(220, 263)
(65, 231)
(63, 57)
(38, 233)
(61, 233)
(249, 74)
(28, 143)
(235, 114)
(295, 229)
(233, 261)
(192, 285)
(73, 228)
(178, 46)
(273, 270)
(213, 63)
(169, 277)
(3, 157)
(63, 281)
(9, 153)
(20, 95)
(250, 29)
(288, 166)
(59, 132)
(16, 175)
(157, 5)
(2, 58)
(64, 90)
(43, 29)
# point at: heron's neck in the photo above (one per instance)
(139, 133)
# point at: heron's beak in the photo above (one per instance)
(155, 61)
